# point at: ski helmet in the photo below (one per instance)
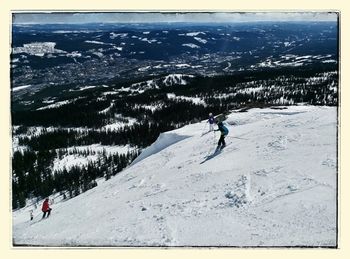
(210, 114)
(220, 123)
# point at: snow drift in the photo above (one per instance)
(164, 140)
(273, 185)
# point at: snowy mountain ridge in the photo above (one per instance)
(273, 185)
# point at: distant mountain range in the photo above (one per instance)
(47, 54)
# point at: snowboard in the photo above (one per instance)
(207, 132)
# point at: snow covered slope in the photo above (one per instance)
(273, 185)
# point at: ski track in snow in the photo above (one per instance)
(273, 185)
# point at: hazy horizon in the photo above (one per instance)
(170, 17)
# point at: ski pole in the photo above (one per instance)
(214, 140)
(204, 128)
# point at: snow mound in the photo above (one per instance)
(163, 141)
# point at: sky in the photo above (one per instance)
(153, 17)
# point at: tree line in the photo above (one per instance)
(295, 85)
(33, 175)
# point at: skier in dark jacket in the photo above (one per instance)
(224, 132)
(46, 208)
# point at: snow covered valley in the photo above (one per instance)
(275, 184)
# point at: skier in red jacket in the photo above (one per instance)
(46, 208)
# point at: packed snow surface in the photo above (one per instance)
(273, 185)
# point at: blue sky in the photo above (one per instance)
(81, 17)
